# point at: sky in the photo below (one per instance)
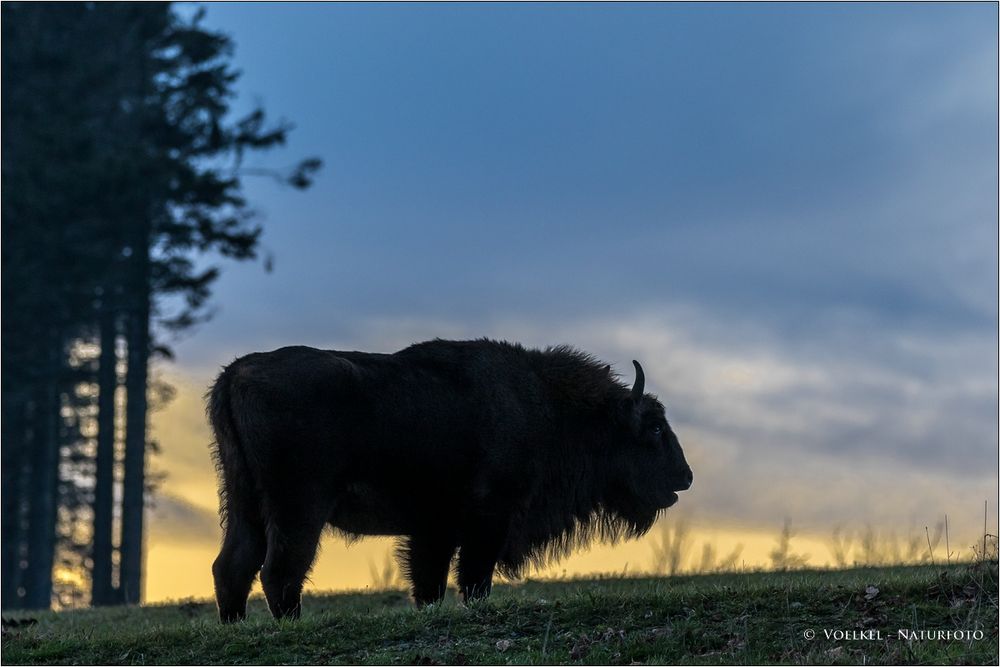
(787, 213)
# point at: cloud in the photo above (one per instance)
(865, 426)
(897, 428)
(800, 248)
(175, 519)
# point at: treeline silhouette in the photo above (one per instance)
(674, 553)
(121, 164)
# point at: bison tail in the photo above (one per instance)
(239, 488)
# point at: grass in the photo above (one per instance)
(699, 619)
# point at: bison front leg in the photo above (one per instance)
(481, 544)
(426, 559)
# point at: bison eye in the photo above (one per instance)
(657, 430)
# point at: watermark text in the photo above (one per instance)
(904, 634)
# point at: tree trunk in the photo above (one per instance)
(44, 486)
(133, 496)
(102, 592)
(14, 468)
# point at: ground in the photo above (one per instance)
(705, 619)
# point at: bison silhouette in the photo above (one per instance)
(511, 456)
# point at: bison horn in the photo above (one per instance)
(640, 382)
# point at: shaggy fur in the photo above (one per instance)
(509, 456)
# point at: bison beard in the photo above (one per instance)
(508, 455)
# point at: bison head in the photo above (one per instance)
(647, 466)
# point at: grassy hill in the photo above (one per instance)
(704, 619)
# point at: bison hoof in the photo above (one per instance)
(232, 616)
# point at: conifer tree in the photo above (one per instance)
(121, 165)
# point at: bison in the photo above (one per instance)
(511, 456)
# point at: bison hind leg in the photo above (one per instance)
(291, 549)
(237, 565)
(426, 560)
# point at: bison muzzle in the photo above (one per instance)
(509, 456)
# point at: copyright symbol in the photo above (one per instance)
(809, 634)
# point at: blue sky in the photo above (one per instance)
(787, 212)
(769, 162)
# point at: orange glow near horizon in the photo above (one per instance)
(177, 570)
(180, 548)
